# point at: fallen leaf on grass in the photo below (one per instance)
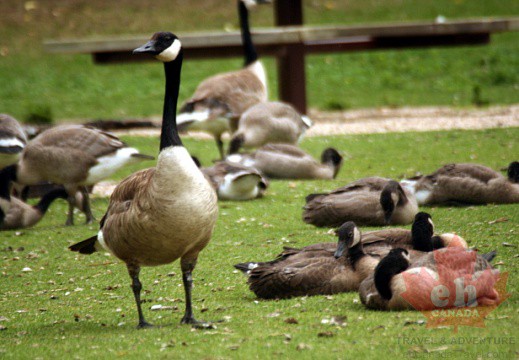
(291, 321)
(508, 244)
(377, 328)
(500, 220)
(303, 346)
(326, 334)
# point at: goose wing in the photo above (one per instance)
(232, 92)
(288, 279)
(89, 141)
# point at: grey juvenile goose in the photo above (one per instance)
(158, 215)
(22, 215)
(219, 100)
(285, 161)
(466, 183)
(269, 122)
(74, 156)
(12, 140)
(368, 201)
(233, 181)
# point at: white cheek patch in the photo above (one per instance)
(356, 236)
(11, 142)
(171, 52)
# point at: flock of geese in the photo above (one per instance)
(158, 215)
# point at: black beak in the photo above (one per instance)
(149, 47)
(341, 247)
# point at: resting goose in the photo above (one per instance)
(233, 181)
(466, 183)
(284, 161)
(303, 274)
(269, 122)
(22, 215)
(368, 201)
(378, 243)
(397, 273)
(158, 215)
(74, 156)
(12, 140)
(219, 100)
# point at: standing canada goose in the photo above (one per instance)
(269, 122)
(284, 161)
(219, 100)
(158, 215)
(304, 274)
(233, 181)
(12, 140)
(22, 215)
(397, 273)
(368, 201)
(466, 184)
(74, 156)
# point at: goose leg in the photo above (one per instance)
(71, 203)
(187, 267)
(137, 287)
(86, 205)
(219, 144)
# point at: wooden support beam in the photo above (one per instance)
(291, 63)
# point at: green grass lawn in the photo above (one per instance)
(75, 306)
(72, 87)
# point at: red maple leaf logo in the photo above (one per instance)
(454, 293)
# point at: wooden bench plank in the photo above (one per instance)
(289, 35)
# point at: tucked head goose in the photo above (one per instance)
(12, 140)
(396, 273)
(269, 122)
(219, 100)
(74, 156)
(159, 215)
(22, 215)
(233, 181)
(368, 201)
(320, 273)
(284, 161)
(466, 184)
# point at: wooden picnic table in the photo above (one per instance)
(289, 42)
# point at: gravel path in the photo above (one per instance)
(382, 120)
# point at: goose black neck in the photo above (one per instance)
(248, 47)
(48, 198)
(169, 133)
(384, 272)
(355, 253)
(421, 235)
(7, 175)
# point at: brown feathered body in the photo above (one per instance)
(155, 215)
(268, 122)
(285, 161)
(464, 183)
(359, 201)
